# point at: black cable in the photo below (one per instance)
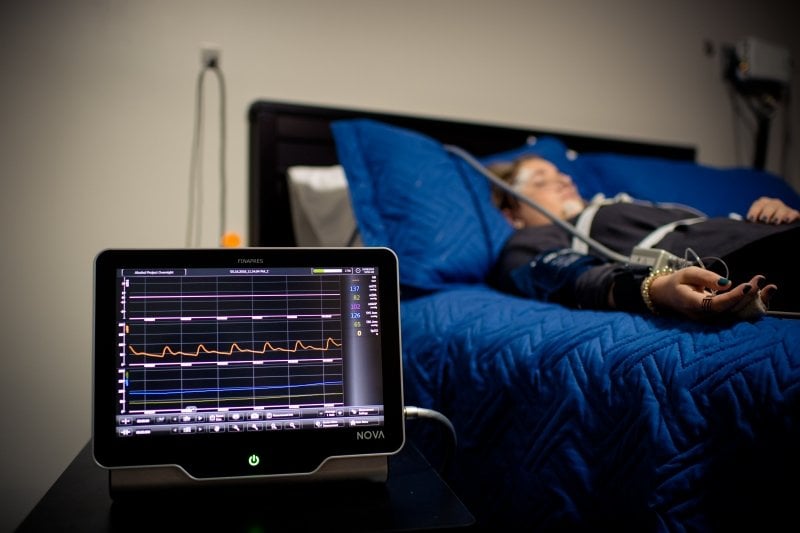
(353, 237)
(195, 183)
(787, 134)
(475, 164)
(412, 412)
(222, 146)
(194, 217)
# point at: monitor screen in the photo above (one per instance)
(246, 362)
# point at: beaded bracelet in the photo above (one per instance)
(649, 281)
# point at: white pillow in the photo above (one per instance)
(320, 204)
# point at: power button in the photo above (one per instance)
(253, 460)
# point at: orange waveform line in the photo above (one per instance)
(298, 345)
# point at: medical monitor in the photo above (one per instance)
(246, 363)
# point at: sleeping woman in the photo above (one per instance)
(743, 266)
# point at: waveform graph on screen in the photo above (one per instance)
(211, 342)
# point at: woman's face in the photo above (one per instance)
(541, 181)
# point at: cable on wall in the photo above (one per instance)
(194, 224)
(759, 76)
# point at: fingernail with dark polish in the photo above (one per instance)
(746, 289)
(722, 282)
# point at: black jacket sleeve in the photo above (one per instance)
(560, 274)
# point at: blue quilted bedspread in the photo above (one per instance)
(584, 419)
(573, 419)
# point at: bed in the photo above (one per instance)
(566, 419)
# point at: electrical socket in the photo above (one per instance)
(209, 55)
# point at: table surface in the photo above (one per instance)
(414, 497)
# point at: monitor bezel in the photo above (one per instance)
(227, 455)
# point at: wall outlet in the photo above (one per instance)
(209, 55)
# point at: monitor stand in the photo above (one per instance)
(124, 481)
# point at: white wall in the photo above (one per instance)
(96, 107)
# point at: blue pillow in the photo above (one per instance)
(430, 207)
(714, 191)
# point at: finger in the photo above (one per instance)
(756, 209)
(768, 213)
(767, 210)
(789, 215)
(767, 293)
(742, 302)
(728, 302)
(772, 211)
(704, 279)
(781, 215)
(737, 298)
(750, 294)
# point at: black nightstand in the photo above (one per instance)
(413, 498)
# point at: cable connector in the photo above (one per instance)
(657, 259)
(412, 412)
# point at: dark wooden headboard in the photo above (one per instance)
(284, 134)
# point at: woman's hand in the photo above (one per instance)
(704, 296)
(772, 211)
